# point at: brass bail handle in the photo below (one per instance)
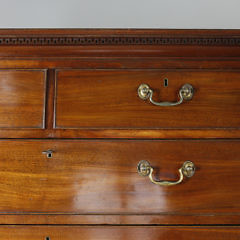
(187, 170)
(185, 93)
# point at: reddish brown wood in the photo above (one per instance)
(50, 99)
(102, 43)
(100, 177)
(22, 102)
(206, 50)
(115, 133)
(103, 219)
(123, 63)
(96, 181)
(125, 32)
(200, 52)
(117, 233)
(108, 99)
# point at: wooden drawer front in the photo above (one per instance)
(22, 98)
(100, 177)
(109, 99)
(117, 233)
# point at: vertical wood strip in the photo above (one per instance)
(50, 98)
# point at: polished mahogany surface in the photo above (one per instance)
(100, 177)
(75, 92)
(109, 99)
(207, 58)
(22, 103)
(117, 233)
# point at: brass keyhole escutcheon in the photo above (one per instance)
(48, 153)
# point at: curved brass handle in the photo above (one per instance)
(187, 170)
(185, 93)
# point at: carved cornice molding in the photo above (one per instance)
(117, 40)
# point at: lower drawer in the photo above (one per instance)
(117, 233)
(99, 178)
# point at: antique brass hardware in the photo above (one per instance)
(185, 93)
(187, 170)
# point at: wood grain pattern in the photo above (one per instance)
(50, 98)
(122, 63)
(100, 177)
(22, 102)
(96, 74)
(121, 134)
(201, 57)
(117, 233)
(112, 219)
(108, 99)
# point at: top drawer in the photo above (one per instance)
(109, 99)
(22, 94)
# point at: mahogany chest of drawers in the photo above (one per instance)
(119, 134)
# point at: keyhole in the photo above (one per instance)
(49, 153)
(47, 238)
(165, 83)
